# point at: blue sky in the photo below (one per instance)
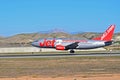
(28, 16)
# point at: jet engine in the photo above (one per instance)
(60, 47)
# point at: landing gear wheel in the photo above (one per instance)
(72, 51)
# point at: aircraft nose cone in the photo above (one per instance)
(35, 44)
(32, 43)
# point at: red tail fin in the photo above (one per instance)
(107, 35)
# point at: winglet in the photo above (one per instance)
(107, 35)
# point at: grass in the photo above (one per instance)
(59, 66)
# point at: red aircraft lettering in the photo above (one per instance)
(47, 43)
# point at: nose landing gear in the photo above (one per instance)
(72, 51)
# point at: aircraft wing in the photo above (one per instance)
(72, 45)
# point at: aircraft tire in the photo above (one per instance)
(72, 51)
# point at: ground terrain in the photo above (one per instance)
(79, 68)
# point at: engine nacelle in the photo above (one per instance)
(60, 47)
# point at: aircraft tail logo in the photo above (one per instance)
(107, 35)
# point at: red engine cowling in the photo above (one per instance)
(60, 47)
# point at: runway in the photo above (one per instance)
(51, 55)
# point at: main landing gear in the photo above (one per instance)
(72, 51)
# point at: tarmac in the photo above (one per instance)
(55, 55)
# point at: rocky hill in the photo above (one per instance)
(20, 40)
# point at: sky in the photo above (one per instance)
(29, 16)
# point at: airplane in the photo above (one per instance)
(70, 44)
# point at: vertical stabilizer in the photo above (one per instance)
(107, 35)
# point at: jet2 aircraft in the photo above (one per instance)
(70, 44)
